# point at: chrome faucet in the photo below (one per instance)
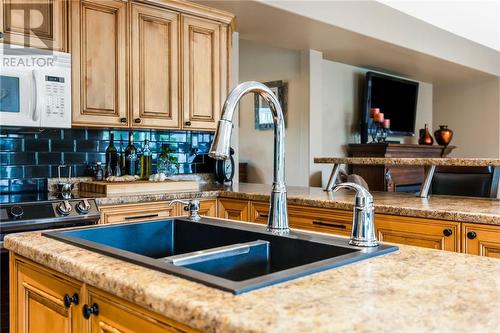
(278, 217)
(192, 206)
(363, 227)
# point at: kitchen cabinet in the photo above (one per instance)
(35, 23)
(154, 64)
(308, 218)
(138, 212)
(207, 208)
(204, 70)
(434, 234)
(234, 209)
(45, 301)
(99, 63)
(114, 315)
(155, 67)
(483, 240)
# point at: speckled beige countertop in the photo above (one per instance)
(443, 161)
(411, 290)
(453, 208)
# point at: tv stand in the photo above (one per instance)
(394, 177)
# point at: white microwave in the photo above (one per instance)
(35, 87)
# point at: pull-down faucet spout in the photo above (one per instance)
(278, 216)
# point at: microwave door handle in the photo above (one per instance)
(35, 98)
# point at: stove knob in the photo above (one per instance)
(64, 208)
(16, 212)
(83, 206)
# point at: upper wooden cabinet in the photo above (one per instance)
(148, 65)
(155, 67)
(35, 23)
(483, 240)
(99, 69)
(204, 69)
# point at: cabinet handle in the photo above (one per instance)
(90, 310)
(331, 225)
(264, 215)
(123, 120)
(137, 120)
(71, 299)
(448, 232)
(471, 235)
(187, 123)
(140, 216)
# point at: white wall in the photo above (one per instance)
(472, 111)
(264, 63)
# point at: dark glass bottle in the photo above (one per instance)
(130, 156)
(111, 153)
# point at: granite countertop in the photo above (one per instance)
(443, 161)
(452, 208)
(411, 290)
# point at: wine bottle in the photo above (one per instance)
(146, 164)
(130, 156)
(111, 154)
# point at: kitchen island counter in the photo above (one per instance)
(413, 289)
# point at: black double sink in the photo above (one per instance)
(231, 256)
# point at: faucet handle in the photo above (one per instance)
(191, 206)
(363, 196)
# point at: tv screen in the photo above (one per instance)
(397, 100)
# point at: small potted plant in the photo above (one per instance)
(168, 163)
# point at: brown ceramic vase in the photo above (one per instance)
(443, 135)
(425, 137)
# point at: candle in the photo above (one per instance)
(386, 124)
(378, 117)
(374, 111)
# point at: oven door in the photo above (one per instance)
(18, 98)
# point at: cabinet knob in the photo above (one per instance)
(123, 120)
(137, 120)
(68, 300)
(90, 310)
(448, 232)
(471, 235)
(187, 123)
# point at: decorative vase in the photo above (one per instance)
(425, 137)
(443, 135)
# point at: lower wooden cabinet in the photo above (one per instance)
(479, 239)
(45, 301)
(441, 235)
(114, 315)
(138, 212)
(234, 209)
(207, 208)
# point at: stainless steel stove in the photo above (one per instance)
(25, 212)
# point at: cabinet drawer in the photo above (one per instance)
(337, 222)
(483, 240)
(442, 235)
(137, 212)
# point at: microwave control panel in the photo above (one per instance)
(55, 90)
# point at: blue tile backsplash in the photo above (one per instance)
(36, 154)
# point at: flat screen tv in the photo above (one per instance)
(397, 100)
